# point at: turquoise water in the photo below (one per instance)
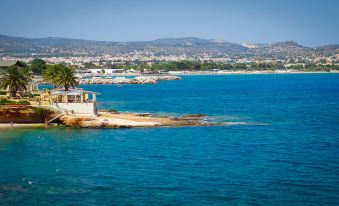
(279, 146)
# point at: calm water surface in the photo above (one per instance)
(279, 146)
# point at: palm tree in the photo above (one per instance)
(52, 72)
(14, 80)
(66, 78)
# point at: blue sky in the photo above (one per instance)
(309, 22)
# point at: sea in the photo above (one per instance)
(277, 144)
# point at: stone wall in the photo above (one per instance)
(86, 108)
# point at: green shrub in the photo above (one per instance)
(40, 111)
(32, 95)
(23, 102)
(3, 92)
(7, 101)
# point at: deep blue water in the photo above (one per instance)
(279, 146)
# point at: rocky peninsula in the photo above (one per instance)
(109, 119)
(30, 116)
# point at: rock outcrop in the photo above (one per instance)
(23, 114)
(127, 120)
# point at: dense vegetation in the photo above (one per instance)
(15, 80)
(207, 65)
(38, 66)
(60, 75)
(7, 101)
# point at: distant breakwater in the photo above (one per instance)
(122, 80)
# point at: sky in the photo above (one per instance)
(308, 22)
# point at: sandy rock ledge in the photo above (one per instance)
(129, 120)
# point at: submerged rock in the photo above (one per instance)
(191, 117)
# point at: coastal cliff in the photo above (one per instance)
(23, 114)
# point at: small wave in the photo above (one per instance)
(233, 120)
(246, 123)
(28, 181)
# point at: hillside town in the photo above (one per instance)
(148, 55)
(131, 62)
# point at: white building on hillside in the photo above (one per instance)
(106, 71)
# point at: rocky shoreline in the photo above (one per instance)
(27, 116)
(24, 114)
(106, 119)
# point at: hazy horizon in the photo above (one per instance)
(309, 23)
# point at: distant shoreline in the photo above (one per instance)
(253, 72)
(175, 73)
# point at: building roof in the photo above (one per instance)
(7, 63)
(77, 91)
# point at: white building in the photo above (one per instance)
(77, 101)
(106, 71)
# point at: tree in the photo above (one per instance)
(21, 64)
(66, 78)
(108, 64)
(14, 80)
(90, 65)
(38, 66)
(26, 71)
(51, 73)
(60, 75)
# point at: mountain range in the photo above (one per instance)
(175, 46)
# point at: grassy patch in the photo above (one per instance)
(7, 101)
(40, 111)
